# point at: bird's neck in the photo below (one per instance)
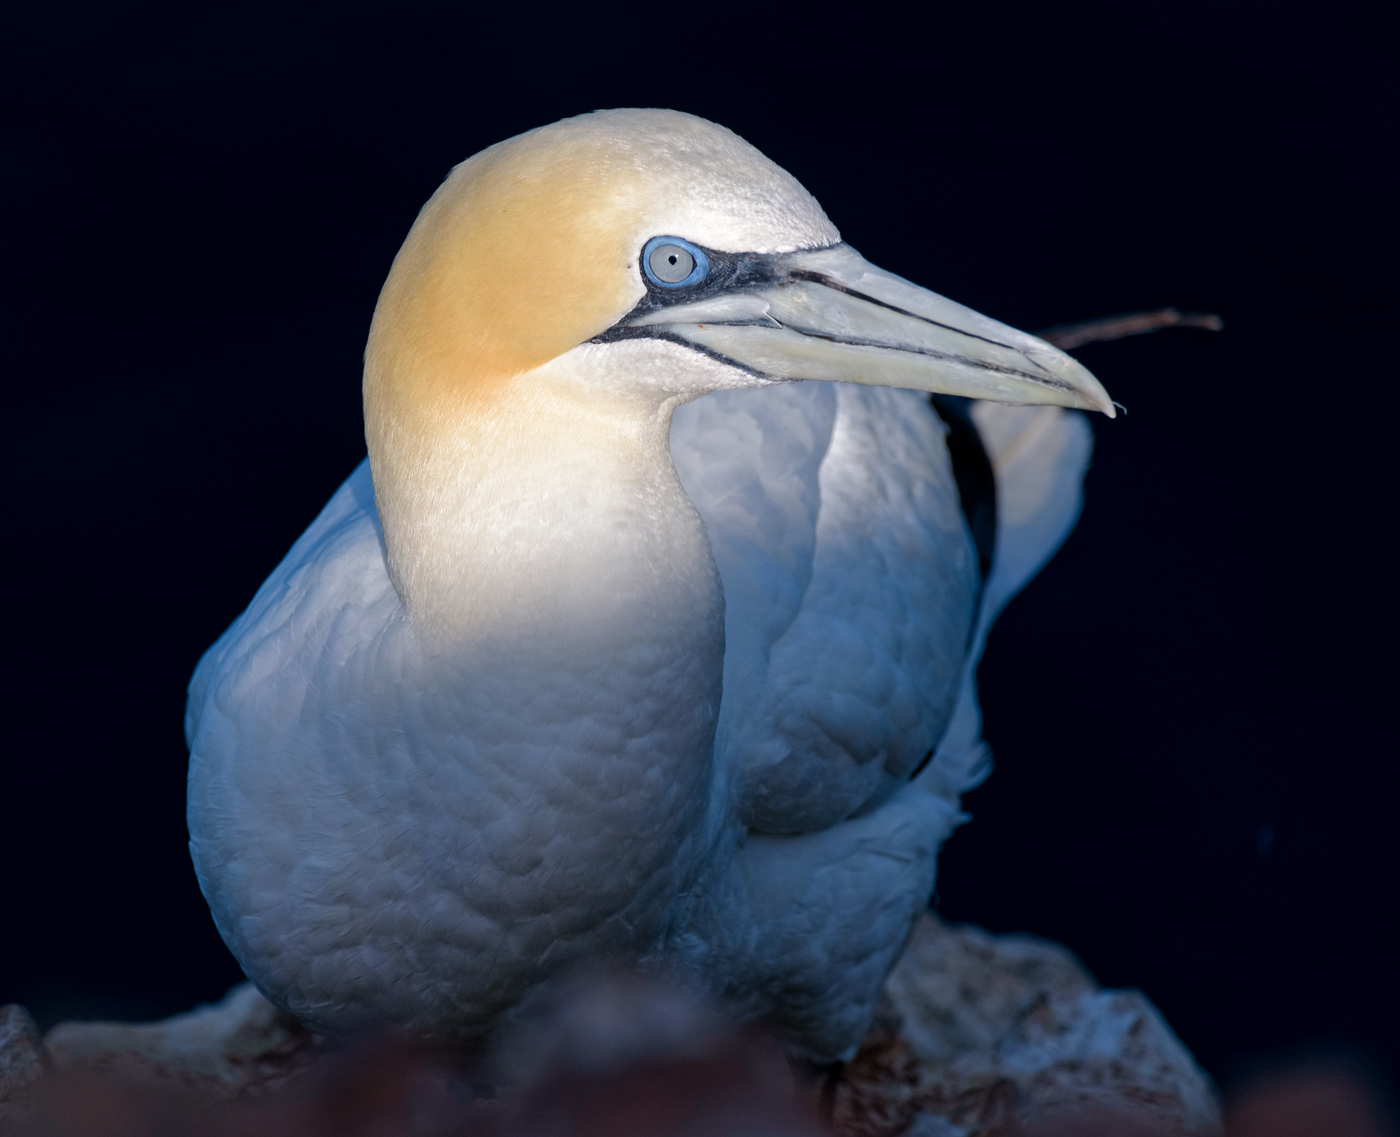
(551, 514)
(562, 587)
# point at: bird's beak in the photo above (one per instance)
(830, 314)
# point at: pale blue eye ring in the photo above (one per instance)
(673, 262)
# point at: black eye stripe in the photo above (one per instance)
(726, 271)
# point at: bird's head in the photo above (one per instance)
(656, 225)
(635, 259)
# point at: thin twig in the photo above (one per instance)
(1067, 337)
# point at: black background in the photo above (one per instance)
(1191, 708)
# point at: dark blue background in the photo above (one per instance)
(1191, 709)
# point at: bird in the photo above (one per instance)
(646, 633)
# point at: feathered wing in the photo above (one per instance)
(814, 920)
(849, 583)
(276, 740)
(337, 560)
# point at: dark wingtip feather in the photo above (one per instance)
(972, 469)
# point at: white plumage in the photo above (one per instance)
(556, 698)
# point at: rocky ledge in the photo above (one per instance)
(977, 1036)
(987, 1035)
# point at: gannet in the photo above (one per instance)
(624, 643)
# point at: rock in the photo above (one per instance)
(22, 1058)
(240, 1045)
(22, 1061)
(977, 1036)
(620, 1055)
(985, 1036)
(630, 1055)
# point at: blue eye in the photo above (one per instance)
(673, 262)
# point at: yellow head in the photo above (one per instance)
(531, 248)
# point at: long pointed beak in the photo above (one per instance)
(830, 314)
